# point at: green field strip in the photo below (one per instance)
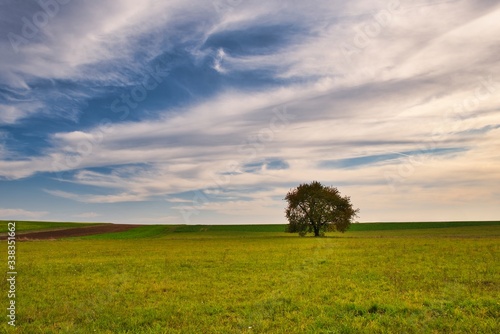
(31, 226)
(154, 231)
(417, 225)
(146, 231)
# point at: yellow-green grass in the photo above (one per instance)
(439, 280)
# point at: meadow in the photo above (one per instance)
(375, 278)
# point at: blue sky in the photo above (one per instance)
(208, 112)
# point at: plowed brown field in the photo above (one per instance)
(72, 232)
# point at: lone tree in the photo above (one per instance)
(317, 208)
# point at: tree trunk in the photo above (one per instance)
(316, 231)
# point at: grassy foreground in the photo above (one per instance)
(169, 280)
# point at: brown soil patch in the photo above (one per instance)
(73, 232)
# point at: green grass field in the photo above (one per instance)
(159, 230)
(375, 278)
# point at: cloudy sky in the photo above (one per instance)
(202, 112)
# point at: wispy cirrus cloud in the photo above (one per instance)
(114, 198)
(383, 99)
(10, 114)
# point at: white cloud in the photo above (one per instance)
(87, 215)
(71, 45)
(353, 95)
(14, 214)
(10, 114)
(218, 61)
(226, 130)
(92, 45)
(123, 197)
(158, 220)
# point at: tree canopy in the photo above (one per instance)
(317, 208)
